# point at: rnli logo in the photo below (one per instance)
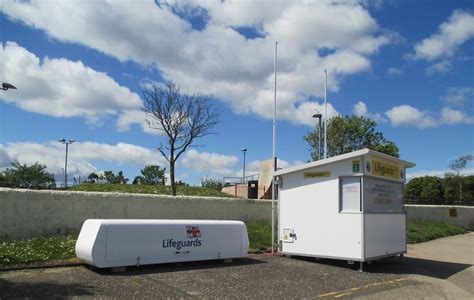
(193, 232)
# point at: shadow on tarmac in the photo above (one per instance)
(406, 266)
(41, 290)
(176, 267)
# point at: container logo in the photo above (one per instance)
(386, 169)
(193, 232)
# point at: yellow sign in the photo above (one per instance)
(317, 174)
(385, 169)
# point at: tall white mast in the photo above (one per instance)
(325, 112)
(274, 165)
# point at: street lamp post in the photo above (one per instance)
(7, 86)
(244, 150)
(65, 164)
(319, 116)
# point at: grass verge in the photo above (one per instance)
(260, 234)
(62, 247)
(37, 249)
(422, 231)
(149, 189)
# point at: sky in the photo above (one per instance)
(81, 66)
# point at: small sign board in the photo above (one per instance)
(317, 174)
(350, 188)
(382, 195)
(355, 166)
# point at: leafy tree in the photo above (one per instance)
(111, 178)
(412, 189)
(3, 180)
(468, 184)
(182, 117)
(93, 178)
(29, 176)
(451, 186)
(432, 188)
(212, 183)
(181, 183)
(350, 133)
(151, 175)
(425, 188)
(120, 178)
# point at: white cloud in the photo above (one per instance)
(409, 115)
(5, 159)
(60, 87)
(139, 117)
(452, 116)
(452, 33)
(360, 110)
(441, 67)
(218, 60)
(394, 71)
(458, 95)
(82, 155)
(212, 164)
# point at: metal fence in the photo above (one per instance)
(231, 180)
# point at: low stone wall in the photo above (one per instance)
(459, 215)
(28, 213)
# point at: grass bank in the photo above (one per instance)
(149, 189)
(37, 249)
(422, 231)
(62, 247)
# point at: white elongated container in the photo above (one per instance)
(118, 243)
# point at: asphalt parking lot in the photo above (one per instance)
(257, 276)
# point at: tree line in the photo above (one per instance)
(32, 176)
(36, 176)
(453, 188)
(149, 175)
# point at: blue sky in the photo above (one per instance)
(80, 70)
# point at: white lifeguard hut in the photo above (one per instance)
(347, 207)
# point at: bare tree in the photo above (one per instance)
(182, 117)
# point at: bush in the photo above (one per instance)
(211, 183)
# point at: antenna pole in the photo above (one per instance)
(274, 146)
(325, 112)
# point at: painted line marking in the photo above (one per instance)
(400, 279)
(341, 295)
(346, 292)
(328, 294)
